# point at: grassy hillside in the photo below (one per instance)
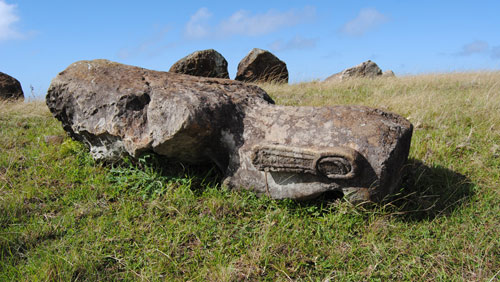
(64, 217)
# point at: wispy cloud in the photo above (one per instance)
(151, 46)
(244, 23)
(7, 18)
(296, 43)
(197, 26)
(495, 52)
(479, 47)
(475, 47)
(367, 19)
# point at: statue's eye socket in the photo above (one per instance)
(334, 167)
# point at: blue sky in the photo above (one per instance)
(38, 39)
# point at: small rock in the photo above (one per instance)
(388, 73)
(365, 69)
(10, 88)
(205, 63)
(262, 66)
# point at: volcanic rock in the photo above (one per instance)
(262, 66)
(388, 73)
(281, 151)
(205, 63)
(365, 69)
(10, 88)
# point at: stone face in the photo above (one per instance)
(262, 66)
(10, 88)
(281, 151)
(302, 152)
(205, 63)
(365, 69)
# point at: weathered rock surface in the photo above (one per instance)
(262, 66)
(118, 109)
(365, 69)
(205, 63)
(10, 88)
(282, 151)
(388, 73)
(306, 151)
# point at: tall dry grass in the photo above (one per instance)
(31, 109)
(440, 96)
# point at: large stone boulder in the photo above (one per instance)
(365, 69)
(262, 66)
(118, 109)
(10, 88)
(205, 63)
(281, 151)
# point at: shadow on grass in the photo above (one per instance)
(426, 192)
(152, 175)
(429, 192)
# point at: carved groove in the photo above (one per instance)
(334, 163)
(332, 166)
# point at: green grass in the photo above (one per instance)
(64, 217)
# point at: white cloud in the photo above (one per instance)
(296, 43)
(244, 23)
(197, 26)
(7, 18)
(367, 19)
(474, 47)
(479, 47)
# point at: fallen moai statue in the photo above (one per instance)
(281, 151)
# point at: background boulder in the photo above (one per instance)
(365, 69)
(388, 73)
(10, 88)
(262, 66)
(205, 63)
